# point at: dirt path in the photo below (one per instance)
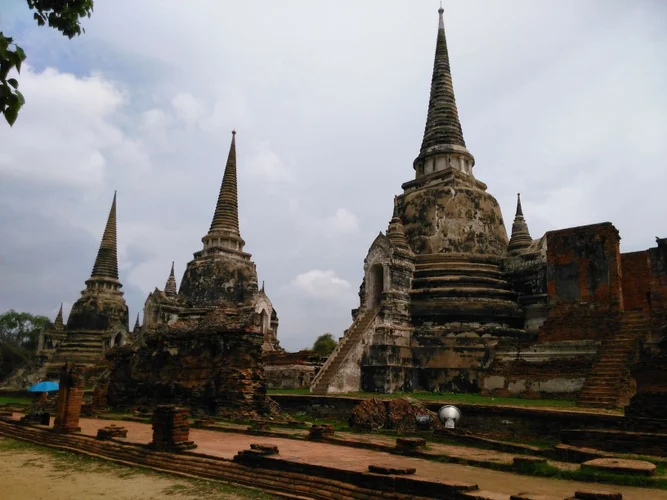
(30, 472)
(227, 444)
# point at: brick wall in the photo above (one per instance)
(583, 283)
(636, 281)
(657, 264)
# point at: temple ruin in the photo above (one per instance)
(449, 303)
(201, 345)
(98, 320)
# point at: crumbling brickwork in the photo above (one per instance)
(70, 398)
(171, 429)
(214, 365)
(583, 283)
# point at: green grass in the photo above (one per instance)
(8, 400)
(65, 461)
(450, 397)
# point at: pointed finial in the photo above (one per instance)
(233, 131)
(441, 24)
(58, 324)
(226, 216)
(262, 285)
(519, 210)
(106, 263)
(170, 288)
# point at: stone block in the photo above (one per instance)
(597, 495)
(320, 431)
(384, 469)
(620, 466)
(410, 445)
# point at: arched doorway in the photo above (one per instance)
(119, 340)
(375, 284)
(265, 321)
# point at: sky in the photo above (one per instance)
(561, 100)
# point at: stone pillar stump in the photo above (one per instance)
(70, 398)
(171, 429)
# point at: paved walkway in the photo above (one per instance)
(227, 444)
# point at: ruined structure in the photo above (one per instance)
(220, 275)
(201, 346)
(97, 321)
(450, 303)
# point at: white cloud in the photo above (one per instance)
(267, 166)
(65, 130)
(321, 285)
(341, 222)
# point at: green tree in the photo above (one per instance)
(21, 329)
(62, 15)
(19, 333)
(324, 345)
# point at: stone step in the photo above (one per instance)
(459, 280)
(468, 292)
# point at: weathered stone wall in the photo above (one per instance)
(214, 368)
(290, 370)
(218, 279)
(583, 283)
(98, 312)
(454, 214)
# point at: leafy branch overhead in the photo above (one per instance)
(62, 15)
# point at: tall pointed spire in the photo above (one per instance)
(58, 323)
(520, 239)
(443, 134)
(224, 233)
(226, 215)
(137, 325)
(170, 288)
(106, 263)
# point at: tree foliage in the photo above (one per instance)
(324, 345)
(19, 334)
(62, 15)
(21, 329)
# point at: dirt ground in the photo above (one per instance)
(29, 472)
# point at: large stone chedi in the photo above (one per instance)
(433, 296)
(450, 303)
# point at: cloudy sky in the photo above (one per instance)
(562, 100)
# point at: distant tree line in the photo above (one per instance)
(19, 334)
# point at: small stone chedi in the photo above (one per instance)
(201, 346)
(98, 320)
(449, 303)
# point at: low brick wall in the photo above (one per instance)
(485, 420)
(271, 474)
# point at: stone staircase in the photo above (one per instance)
(352, 337)
(83, 348)
(608, 385)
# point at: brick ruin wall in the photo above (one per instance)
(583, 283)
(218, 371)
(584, 303)
(290, 370)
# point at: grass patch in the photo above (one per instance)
(450, 397)
(69, 462)
(590, 476)
(10, 400)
